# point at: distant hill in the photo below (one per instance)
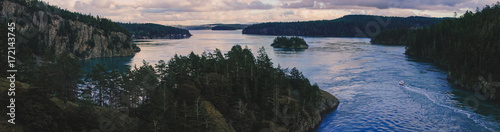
(347, 26)
(223, 28)
(154, 31)
(210, 26)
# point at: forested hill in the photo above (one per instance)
(233, 91)
(469, 47)
(152, 31)
(42, 30)
(210, 26)
(223, 28)
(347, 26)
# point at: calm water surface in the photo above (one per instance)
(362, 76)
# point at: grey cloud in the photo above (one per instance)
(288, 13)
(162, 10)
(380, 4)
(100, 8)
(251, 5)
(201, 5)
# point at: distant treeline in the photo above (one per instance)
(150, 30)
(469, 47)
(347, 26)
(210, 26)
(223, 28)
(393, 37)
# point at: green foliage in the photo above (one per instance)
(342, 27)
(36, 39)
(101, 23)
(400, 36)
(3, 49)
(292, 42)
(46, 105)
(467, 46)
(39, 113)
(210, 26)
(170, 96)
(187, 93)
(58, 76)
(150, 30)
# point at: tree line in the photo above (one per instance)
(150, 30)
(342, 27)
(183, 94)
(468, 47)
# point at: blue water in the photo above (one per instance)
(362, 76)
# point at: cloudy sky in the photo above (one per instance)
(193, 12)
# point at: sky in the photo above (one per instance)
(196, 12)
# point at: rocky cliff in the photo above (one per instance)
(309, 119)
(285, 120)
(48, 30)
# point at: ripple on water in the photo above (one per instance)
(362, 76)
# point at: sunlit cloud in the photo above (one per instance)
(190, 12)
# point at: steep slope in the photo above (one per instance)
(42, 30)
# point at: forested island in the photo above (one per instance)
(209, 92)
(289, 43)
(42, 29)
(468, 47)
(154, 31)
(223, 28)
(346, 26)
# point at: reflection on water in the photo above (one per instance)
(118, 63)
(363, 76)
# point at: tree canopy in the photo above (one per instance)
(223, 28)
(150, 30)
(468, 47)
(235, 91)
(347, 26)
(289, 42)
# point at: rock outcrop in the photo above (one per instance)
(44, 30)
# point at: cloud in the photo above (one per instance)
(188, 12)
(379, 4)
(158, 6)
(250, 5)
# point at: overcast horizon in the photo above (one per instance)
(197, 12)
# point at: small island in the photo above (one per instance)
(223, 28)
(289, 43)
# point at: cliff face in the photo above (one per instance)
(284, 121)
(45, 32)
